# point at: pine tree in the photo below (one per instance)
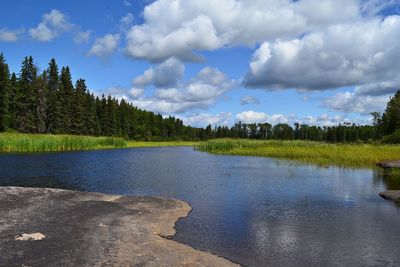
(78, 108)
(25, 98)
(40, 88)
(54, 110)
(4, 93)
(12, 100)
(391, 116)
(65, 96)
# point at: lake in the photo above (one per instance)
(253, 211)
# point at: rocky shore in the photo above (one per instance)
(52, 227)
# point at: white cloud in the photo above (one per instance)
(251, 116)
(104, 46)
(204, 119)
(7, 35)
(166, 74)
(352, 102)
(51, 26)
(126, 22)
(322, 120)
(249, 100)
(201, 92)
(194, 25)
(342, 55)
(82, 37)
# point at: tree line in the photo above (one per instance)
(49, 102)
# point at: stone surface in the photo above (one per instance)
(51, 227)
(391, 195)
(389, 164)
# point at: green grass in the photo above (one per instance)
(157, 144)
(345, 155)
(17, 142)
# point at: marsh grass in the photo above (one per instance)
(17, 142)
(345, 155)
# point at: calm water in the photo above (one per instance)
(254, 211)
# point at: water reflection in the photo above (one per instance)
(390, 178)
(254, 211)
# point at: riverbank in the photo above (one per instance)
(18, 142)
(100, 230)
(344, 155)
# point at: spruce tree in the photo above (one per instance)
(4, 93)
(25, 98)
(40, 88)
(391, 116)
(65, 96)
(54, 110)
(78, 108)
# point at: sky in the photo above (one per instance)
(219, 61)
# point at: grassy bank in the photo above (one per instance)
(346, 155)
(16, 142)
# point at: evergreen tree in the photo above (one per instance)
(54, 112)
(391, 116)
(65, 97)
(4, 93)
(78, 108)
(25, 98)
(40, 87)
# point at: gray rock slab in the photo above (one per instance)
(52, 227)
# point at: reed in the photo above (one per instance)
(17, 142)
(345, 155)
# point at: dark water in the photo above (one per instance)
(254, 211)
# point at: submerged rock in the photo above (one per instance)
(52, 227)
(391, 195)
(389, 164)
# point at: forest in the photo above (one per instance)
(49, 102)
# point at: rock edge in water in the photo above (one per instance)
(391, 195)
(389, 164)
(53, 227)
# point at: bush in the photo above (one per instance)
(394, 138)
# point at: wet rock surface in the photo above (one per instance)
(391, 195)
(52, 227)
(389, 164)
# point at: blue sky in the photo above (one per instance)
(220, 61)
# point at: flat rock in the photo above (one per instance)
(52, 227)
(389, 164)
(391, 195)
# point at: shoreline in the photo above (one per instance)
(42, 226)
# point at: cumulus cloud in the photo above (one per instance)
(249, 100)
(352, 102)
(322, 120)
(166, 74)
(126, 22)
(193, 25)
(82, 37)
(104, 46)
(51, 26)
(200, 92)
(204, 119)
(342, 55)
(7, 35)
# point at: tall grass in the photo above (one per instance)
(17, 142)
(346, 155)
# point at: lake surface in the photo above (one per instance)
(254, 211)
